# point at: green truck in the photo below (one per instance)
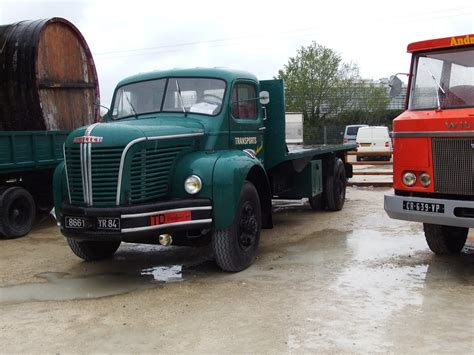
(189, 157)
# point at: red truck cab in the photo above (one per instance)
(433, 155)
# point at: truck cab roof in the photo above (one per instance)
(226, 74)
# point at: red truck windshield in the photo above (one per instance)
(443, 80)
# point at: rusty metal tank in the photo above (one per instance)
(48, 79)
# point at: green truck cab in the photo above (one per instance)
(189, 157)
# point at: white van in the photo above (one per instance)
(350, 133)
(374, 139)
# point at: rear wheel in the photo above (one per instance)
(235, 247)
(91, 250)
(17, 212)
(316, 202)
(445, 239)
(335, 187)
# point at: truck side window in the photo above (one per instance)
(244, 102)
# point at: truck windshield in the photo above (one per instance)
(194, 95)
(443, 79)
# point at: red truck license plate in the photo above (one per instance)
(423, 207)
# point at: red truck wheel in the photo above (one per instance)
(235, 248)
(17, 212)
(445, 239)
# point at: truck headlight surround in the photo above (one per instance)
(425, 179)
(409, 178)
(193, 184)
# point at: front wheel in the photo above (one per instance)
(445, 239)
(91, 250)
(235, 248)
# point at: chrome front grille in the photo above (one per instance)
(74, 174)
(150, 171)
(104, 168)
(453, 162)
(94, 181)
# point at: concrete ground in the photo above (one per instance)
(352, 281)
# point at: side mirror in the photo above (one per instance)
(104, 111)
(395, 87)
(106, 117)
(264, 97)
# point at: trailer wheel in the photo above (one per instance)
(445, 239)
(17, 212)
(235, 248)
(335, 187)
(91, 250)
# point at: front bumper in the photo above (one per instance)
(136, 222)
(458, 213)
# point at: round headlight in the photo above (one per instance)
(425, 179)
(193, 184)
(409, 179)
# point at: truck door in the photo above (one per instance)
(245, 119)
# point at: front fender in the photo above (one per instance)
(59, 188)
(196, 163)
(230, 172)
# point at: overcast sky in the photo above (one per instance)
(128, 37)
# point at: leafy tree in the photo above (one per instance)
(317, 82)
(370, 98)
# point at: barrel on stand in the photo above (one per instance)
(48, 79)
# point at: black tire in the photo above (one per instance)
(235, 248)
(444, 240)
(335, 186)
(91, 250)
(316, 203)
(17, 212)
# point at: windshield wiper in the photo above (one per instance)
(180, 97)
(133, 108)
(438, 85)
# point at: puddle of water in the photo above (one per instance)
(165, 273)
(368, 244)
(60, 287)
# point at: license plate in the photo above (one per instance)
(109, 223)
(429, 207)
(365, 144)
(74, 222)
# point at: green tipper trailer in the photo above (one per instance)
(27, 163)
(189, 157)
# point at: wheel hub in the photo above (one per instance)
(248, 226)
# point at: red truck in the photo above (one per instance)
(433, 156)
